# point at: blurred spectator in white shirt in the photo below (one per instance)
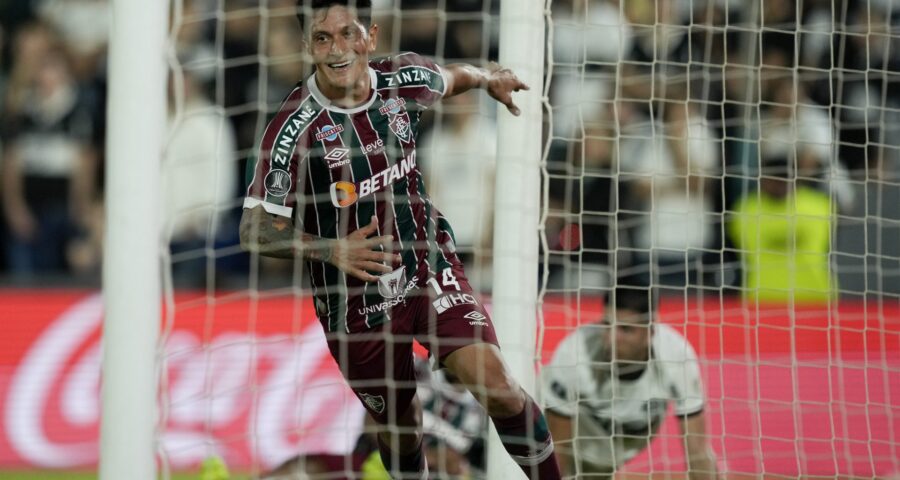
(85, 26)
(49, 165)
(589, 40)
(199, 179)
(667, 167)
(795, 129)
(459, 160)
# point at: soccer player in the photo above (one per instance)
(336, 184)
(609, 386)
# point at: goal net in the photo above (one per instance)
(688, 143)
(739, 159)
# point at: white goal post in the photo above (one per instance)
(517, 205)
(138, 71)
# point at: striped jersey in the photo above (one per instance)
(332, 169)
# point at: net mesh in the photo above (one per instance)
(670, 128)
(688, 143)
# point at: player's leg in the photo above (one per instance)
(383, 378)
(459, 333)
(400, 444)
(519, 421)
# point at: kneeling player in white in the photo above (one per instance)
(609, 386)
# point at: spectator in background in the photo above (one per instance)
(657, 65)
(30, 44)
(199, 180)
(49, 166)
(797, 130)
(783, 234)
(589, 41)
(864, 86)
(85, 26)
(459, 159)
(667, 167)
(284, 66)
(583, 208)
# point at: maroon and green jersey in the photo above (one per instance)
(333, 168)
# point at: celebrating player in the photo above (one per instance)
(336, 184)
(612, 383)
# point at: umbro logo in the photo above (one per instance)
(476, 318)
(336, 157)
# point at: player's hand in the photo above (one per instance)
(357, 254)
(500, 85)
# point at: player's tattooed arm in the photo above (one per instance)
(358, 254)
(498, 81)
(275, 236)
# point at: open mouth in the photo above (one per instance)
(340, 67)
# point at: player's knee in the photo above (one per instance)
(504, 399)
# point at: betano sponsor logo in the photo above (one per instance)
(344, 194)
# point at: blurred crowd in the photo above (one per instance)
(693, 143)
(720, 144)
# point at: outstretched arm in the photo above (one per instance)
(700, 458)
(274, 236)
(498, 81)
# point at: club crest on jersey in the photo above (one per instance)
(278, 183)
(329, 132)
(321, 308)
(392, 106)
(375, 402)
(391, 285)
(400, 126)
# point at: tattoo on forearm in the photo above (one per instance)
(273, 236)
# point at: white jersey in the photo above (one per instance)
(613, 418)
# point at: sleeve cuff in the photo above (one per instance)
(281, 210)
(443, 80)
(689, 413)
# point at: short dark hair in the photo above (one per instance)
(363, 9)
(641, 300)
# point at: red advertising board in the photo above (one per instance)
(252, 380)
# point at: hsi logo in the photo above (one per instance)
(329, 132)
(451, 300)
